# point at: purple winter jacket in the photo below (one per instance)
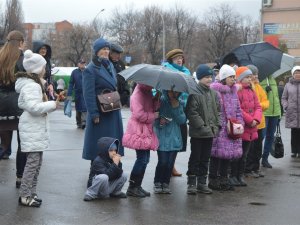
(290, 101)
(224, 147)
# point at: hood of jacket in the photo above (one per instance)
(104, 144)
(37, 45)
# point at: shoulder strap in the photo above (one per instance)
(224, 105)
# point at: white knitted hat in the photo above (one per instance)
(226, 71)
(33, 63)
(294, 69)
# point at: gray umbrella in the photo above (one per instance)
(161, 78)
(263, 55)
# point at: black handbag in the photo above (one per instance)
(277, 150)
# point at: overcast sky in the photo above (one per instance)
(86, 10)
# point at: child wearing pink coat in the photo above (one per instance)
(140, 135)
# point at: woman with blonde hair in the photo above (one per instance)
(11, 58)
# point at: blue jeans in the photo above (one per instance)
(268, 134)
(139, 168)
(164, 166)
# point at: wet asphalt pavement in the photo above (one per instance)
(273, 199)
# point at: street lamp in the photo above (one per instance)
(164, 37)
(96, 29)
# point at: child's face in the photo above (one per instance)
(112, 153)
(230, 80)
(246, 80)
(206, 80)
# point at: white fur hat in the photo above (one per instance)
(226, 71)
(33, 63)
(294, 69)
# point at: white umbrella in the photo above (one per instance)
(287, 63)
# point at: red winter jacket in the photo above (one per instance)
(251, 110)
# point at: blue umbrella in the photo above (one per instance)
(161, 78)
(263, 55)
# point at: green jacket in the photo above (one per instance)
(274, 109)
(203, 113)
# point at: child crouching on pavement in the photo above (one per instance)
(203, 113)
(167, 129)
(33, 123)
(106, 177)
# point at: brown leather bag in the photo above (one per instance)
(109, 101)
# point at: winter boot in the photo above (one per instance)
(202, 186)
(241, 180)
(225, 184)
(192, 189)
(146, 193)
(166, 188)
(234, 181)
(157, 188)
(214, 183)
(134, 188)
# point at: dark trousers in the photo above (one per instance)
(139, 168)
(238, 166)
(295, 140)
(164, 166)
(80, 118)
(6, 139)
(218, 167)
(199, 158)
(183, 130)
(254, 154)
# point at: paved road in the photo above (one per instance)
(270, 200)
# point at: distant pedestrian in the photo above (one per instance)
(272, 115)
(225, 148)
(167, 128)
(33, 125)
(290, 103)
(75, 84)
(140, 135)
(106, 177)
(175, 61)
(252, 114)
(203, 112)
(123, 88)
(45, 50)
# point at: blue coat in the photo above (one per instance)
(183, 69)
(75, 84)
(169, 135)
(95, 79)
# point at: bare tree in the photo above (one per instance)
(12, 18)
(70, 46)
(249, 30)
(124, 27)
(221, 27)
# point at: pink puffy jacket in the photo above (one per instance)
(139, 134)
(251, 110)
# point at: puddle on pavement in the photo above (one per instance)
(294, 175)
(257, 203)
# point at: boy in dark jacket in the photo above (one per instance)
(106, 177)
(203, 113)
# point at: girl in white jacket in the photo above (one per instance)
(33, 125)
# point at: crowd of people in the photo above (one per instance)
(229, 95)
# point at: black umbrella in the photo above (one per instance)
(161, 78)
(263, 55)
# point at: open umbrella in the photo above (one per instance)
(287, 63)
(161, 78)
(263, 55)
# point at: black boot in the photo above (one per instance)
(192, 189)
(214, 183)
(225, 184)
(202, 186)
(134, 188)
(241, 180)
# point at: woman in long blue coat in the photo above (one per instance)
(98, 76)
